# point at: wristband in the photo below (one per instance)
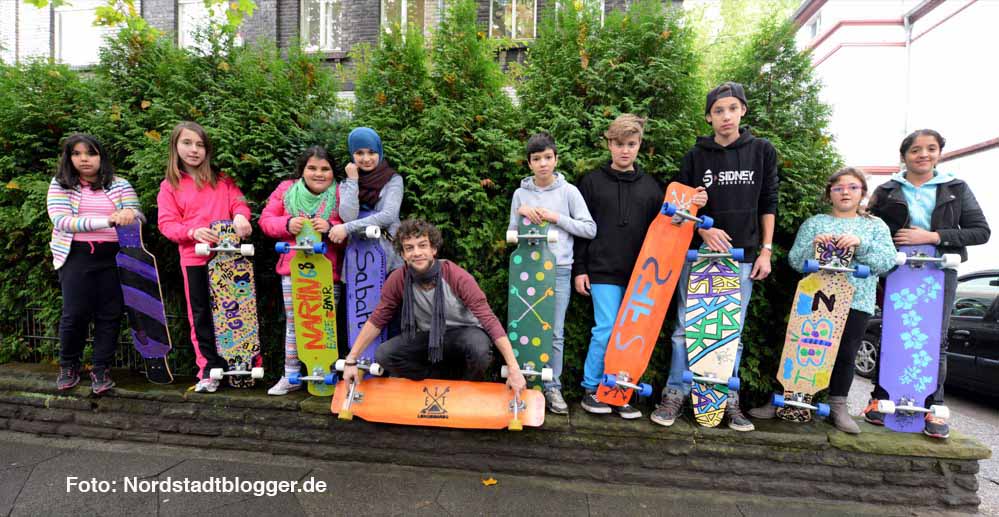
(350, 363)
(768, 246)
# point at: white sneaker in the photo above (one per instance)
(283, 387)
(207, 386)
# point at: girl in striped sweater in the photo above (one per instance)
(85, 202)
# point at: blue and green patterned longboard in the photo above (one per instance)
(531, 307)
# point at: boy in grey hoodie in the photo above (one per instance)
(547, 196)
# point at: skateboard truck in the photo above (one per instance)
(311, 247)
(254, 373)
(528, 370)
(512, 236)
(352, 395)
(623, 379)
(946, 261)
(328, 379)
(203, 249)
(733, 383)
(516, 405)
(796, 401)
(704, 222)
(737, 254)
(907, 406)
(812, 265)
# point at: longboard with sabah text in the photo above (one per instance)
(140, 287)
(234, 306)
(531, 301)
(364, 274)
(647, 298)
(910, 337)
(314, 308)
(819, 311)
(437, 403)
(712, 327)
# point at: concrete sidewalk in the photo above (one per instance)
(35, 472)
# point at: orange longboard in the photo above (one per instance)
(650, 291)
(438, 403)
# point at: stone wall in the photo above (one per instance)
(812, 461)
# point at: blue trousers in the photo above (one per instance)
(563, 289)
(606, 301)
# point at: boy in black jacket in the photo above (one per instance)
(739, 172)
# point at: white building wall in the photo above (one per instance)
(34, 31)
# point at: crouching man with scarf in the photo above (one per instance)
(448, 329)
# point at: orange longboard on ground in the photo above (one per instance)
(648, 296)
(439, 403)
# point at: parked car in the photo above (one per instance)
(973, 354)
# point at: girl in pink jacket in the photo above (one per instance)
(192, 196)
(311, 195)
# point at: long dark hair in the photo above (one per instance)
(68, 177)
(316, 151)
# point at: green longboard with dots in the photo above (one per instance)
(531, 307)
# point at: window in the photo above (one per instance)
(421, 14)
(322, 25)
(77, 40)
(512, 19)
(975, 295)
(192, 16)
(815, 26)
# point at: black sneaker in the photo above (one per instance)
(592, 405)
(736, 420)
(627, 412)
(69, 377)
(936, 427)
(667, 410)
(872, 415)
(101, 380)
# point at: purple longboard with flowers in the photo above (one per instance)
(364, 273)
(910, 337)
(140, 289)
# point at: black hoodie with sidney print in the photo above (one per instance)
(623, 204)
(741, 181)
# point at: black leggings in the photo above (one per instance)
(467, 355)
(853, 333)
(90, 292)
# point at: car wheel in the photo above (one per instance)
(867, 357)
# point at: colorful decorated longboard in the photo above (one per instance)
(364, 273)
(315, 310)
(531, 301)
(818, 315)
(140, 287)
(712, 327)
(643, 308)
(234, 307)
(439, 403)
(910, 337)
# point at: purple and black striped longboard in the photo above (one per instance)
(364, 274)
(140, 287)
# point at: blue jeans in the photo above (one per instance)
(563, 288)
(678, 361)
(606, 301)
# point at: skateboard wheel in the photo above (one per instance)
(295, 379)
(257, 373)
(515, 425)
(547, 375)
(215, 374)
(738, 254)
(900, 258)
(504, 371)
(282, 247)
(345, 415)
(246, 250)
(609, 380)
(886, 406)
(644, 390)
(862, 271)
(940, 411)
(330, 379)
(950, 261)
(691, 255)
(705, 223)
(668, 209)
(319, 247)
(376, 369)
(552, 236)
(202, 249)
(810, 266)
(823, 409)
(511, 236)
(372, 232)
(777, 400)
(338, 366)
(687, 377)
(734, 383)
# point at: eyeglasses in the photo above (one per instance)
(839, 189)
